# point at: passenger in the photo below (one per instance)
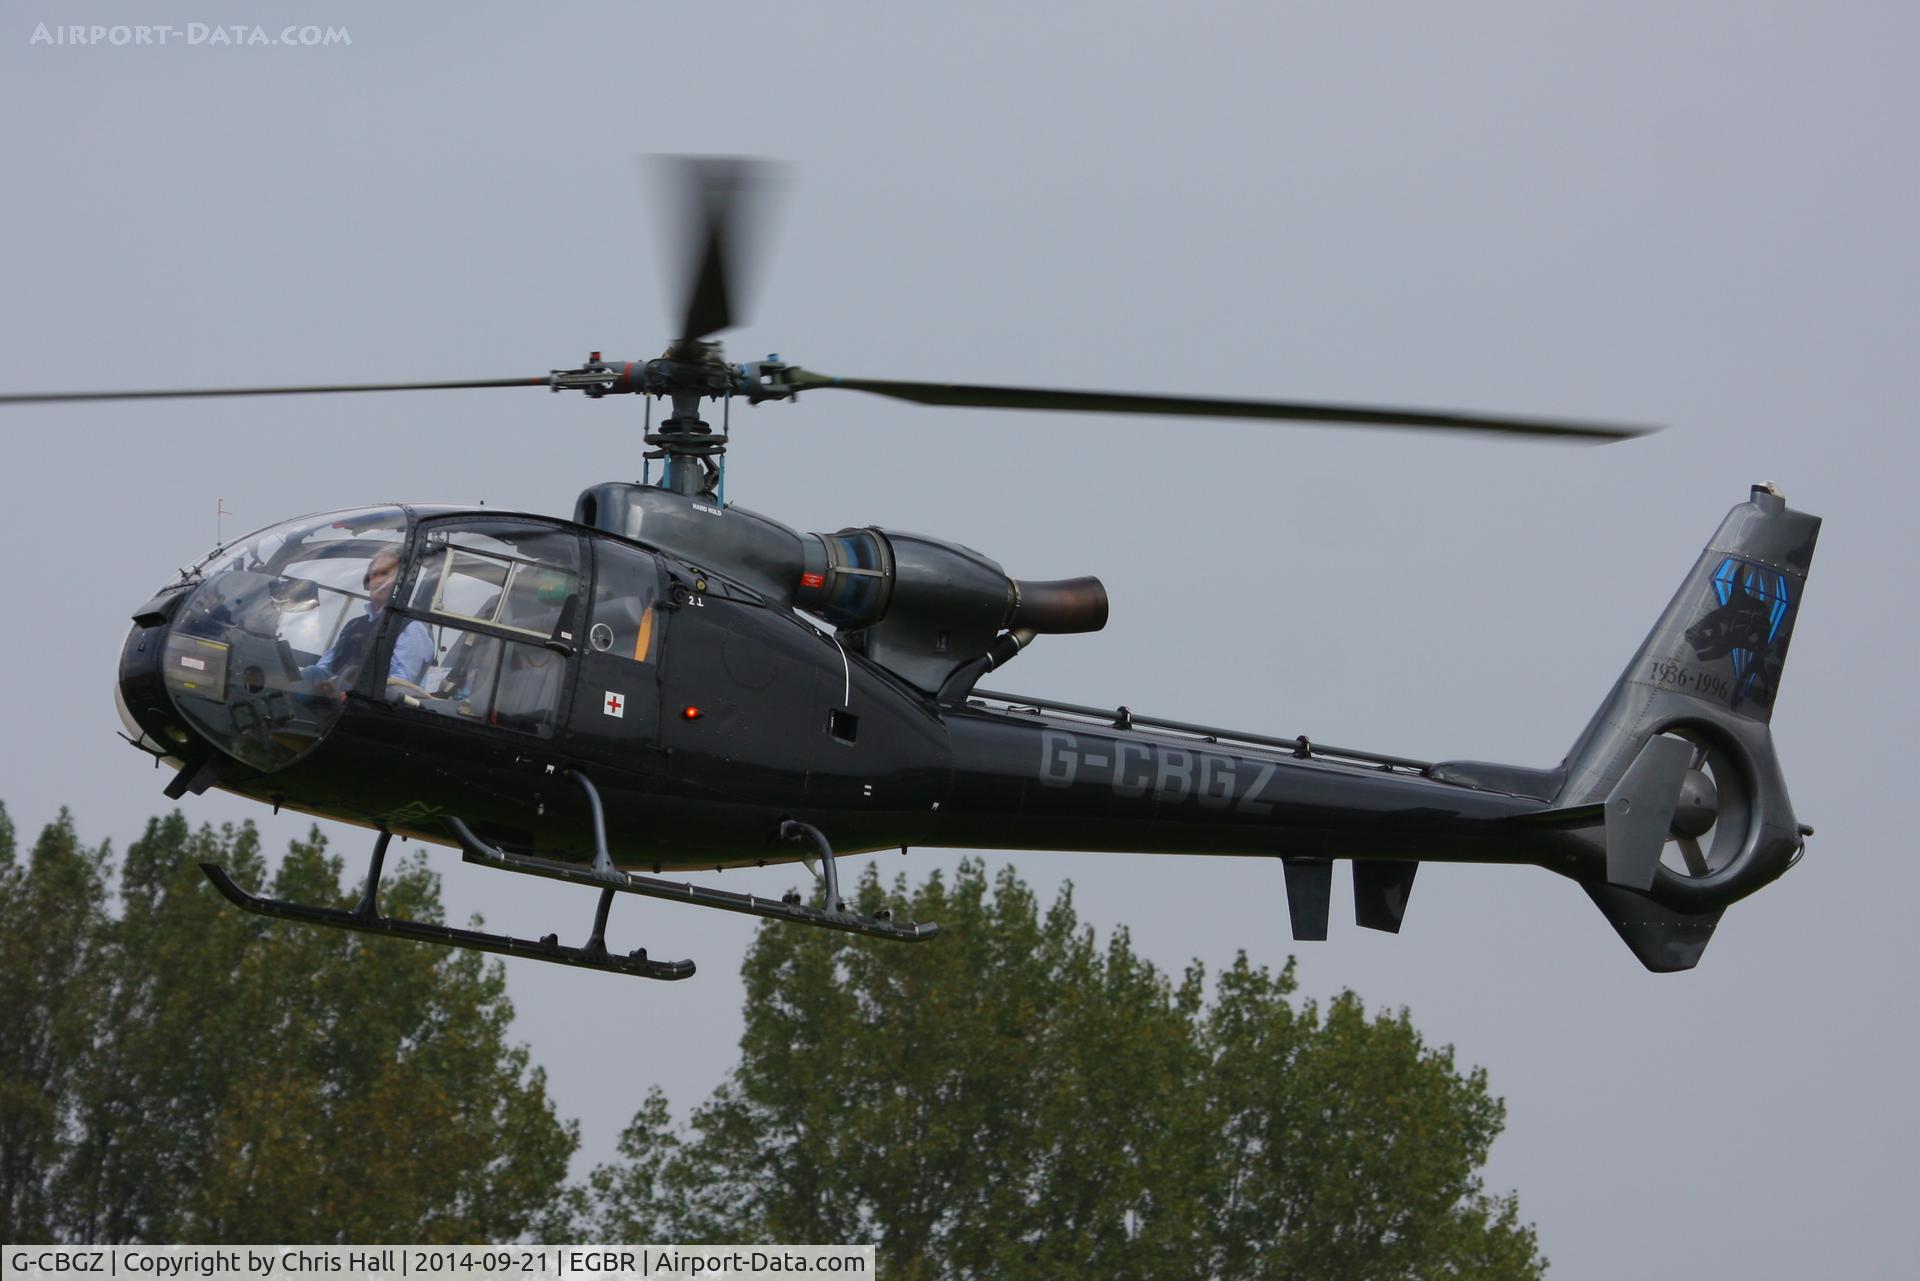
(412, 650)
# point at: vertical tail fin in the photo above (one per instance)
(1707, 675)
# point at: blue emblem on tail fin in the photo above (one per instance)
(1748, 622)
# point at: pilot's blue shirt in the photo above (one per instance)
(412, 652)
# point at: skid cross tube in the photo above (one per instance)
(602, 864)
(369, 908)
(597, 943)
(602, 861)
(792, 830)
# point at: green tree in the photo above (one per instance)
(52, 922)
(1348, 1147)
(1014, 1100)
(257, 1081)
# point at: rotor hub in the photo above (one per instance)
(1699, 804)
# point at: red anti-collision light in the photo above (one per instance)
(691, 713)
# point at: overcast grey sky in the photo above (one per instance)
(1700, 215)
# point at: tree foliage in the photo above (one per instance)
(1015, 1099)
(51, 936)
(224, 1078)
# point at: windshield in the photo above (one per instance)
(261, 653)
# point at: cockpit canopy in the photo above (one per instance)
(464, 615)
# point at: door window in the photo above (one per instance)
(500, 601)
(624, 621)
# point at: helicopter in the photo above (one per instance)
(667, 682)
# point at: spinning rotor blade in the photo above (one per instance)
(721, 203)
(977, 396)
(721, 199)
(45, 397)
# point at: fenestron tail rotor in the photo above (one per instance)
(1710, 820)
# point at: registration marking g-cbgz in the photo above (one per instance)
(1169, 775)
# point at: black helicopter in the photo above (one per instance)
(669, 682)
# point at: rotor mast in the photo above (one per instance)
(692, 370)
(694, 458)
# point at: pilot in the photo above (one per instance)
(412, 650)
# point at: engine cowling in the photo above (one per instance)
(921, 607)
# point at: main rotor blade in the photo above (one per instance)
(721, 207)
(977, 396)
(47, 397)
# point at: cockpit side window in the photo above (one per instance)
(624, 622)
(515, 580)
(493, 596)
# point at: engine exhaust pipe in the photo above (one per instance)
(1059, 607)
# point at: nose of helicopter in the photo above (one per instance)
(140, 690)
(153, 732)
(191, 693)
(198, 678)
(243, 659)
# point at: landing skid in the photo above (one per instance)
(366, 919)
(611, 880)
(603, 875)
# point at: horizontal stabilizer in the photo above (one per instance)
(1380, 890)
(1309, 890)
(1640, 810)
(1663, 939)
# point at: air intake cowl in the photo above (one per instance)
(757, 550)
(947, 604)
